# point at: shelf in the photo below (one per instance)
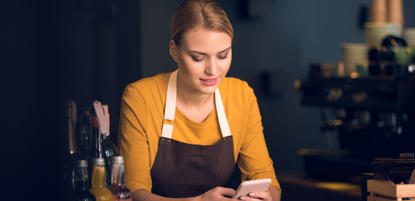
(371, 93)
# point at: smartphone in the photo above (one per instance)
(256, 185)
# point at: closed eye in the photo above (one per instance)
(223, 55)
(196, 58)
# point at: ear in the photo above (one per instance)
(173, 50)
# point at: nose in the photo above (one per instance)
(211, 67)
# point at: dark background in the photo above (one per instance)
(53, 51)
(56, 50)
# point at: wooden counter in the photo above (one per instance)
(296, 188)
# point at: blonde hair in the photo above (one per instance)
(194, 13)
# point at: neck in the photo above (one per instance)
(194, 104)
(191, 98)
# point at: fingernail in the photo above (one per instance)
(251, 194)
(242, 198)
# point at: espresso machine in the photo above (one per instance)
(363, 118)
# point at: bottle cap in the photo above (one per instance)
(117, 159)
(99, 161)
(82, 163)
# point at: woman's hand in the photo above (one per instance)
(272, 194)
(257, 196)
(217, 194)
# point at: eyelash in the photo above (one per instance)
(223, 56)
(199, 59)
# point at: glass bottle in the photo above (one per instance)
(109, 148)
(99, 151)
(120, 192)
(70, 120)
(70, 153)
(104, 147)
(85, 134)
(82, 182)
(99, 187)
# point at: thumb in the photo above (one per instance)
(228, 192)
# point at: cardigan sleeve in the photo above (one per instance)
(253, 159)
(133, 141)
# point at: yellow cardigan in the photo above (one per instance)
(141, 120)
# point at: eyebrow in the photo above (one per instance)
(202, 53)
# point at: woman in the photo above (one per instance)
(182, 133)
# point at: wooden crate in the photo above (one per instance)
(383, 190)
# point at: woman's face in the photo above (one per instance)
(204, 57)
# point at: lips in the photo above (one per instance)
(209, 82)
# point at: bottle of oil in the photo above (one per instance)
(99, 186)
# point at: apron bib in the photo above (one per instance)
(187, 170)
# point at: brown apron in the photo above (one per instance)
(186, 170)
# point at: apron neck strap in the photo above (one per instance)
(170, 109)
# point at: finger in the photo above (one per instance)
(247, 198)
(244, 197)
(229, 192)
(262, 195)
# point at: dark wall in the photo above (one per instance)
(53, 51)
(98, 51)
(26, 26)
